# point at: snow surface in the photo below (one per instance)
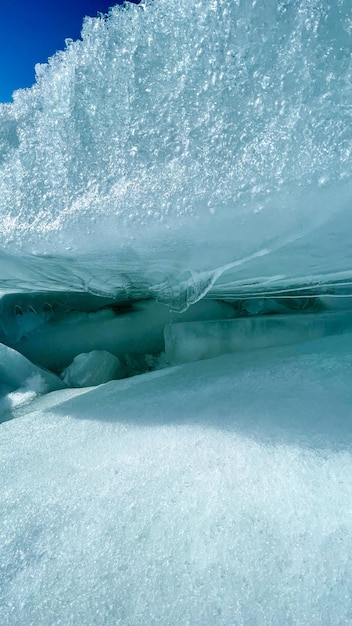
(218, 492)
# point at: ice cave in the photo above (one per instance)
(176, 321)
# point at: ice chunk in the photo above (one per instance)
(16, 371)
(93, 368)
(192, 341)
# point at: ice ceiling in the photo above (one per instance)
(179, 145)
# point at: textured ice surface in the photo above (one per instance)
(179, 140)
(218, 492)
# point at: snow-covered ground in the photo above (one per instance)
(217, 492)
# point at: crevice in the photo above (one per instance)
(86, 340)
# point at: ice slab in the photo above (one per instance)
(213, 493)
(191, 341)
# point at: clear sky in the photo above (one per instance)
(32, 30)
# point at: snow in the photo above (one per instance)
(217, 492)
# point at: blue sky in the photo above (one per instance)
(32, 30)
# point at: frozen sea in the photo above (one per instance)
(176, 321)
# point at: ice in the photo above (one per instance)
(21, 381)
(213, 493)
(192, 341)
(21, 313)
(174, 143)
(184, 165)
(127, 328)
(93, 368)
(17, 371)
